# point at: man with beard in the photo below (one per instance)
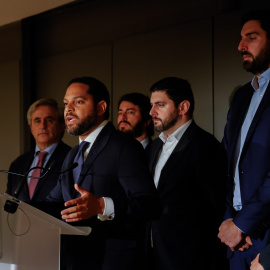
(185, 162)
(245, 228)
(112, 191)
(134, 118)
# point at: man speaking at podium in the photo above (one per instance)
(46, 121)
(110, 190)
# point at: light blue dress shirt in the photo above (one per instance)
(253, 106)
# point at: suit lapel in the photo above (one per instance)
(263, 105)
(53, 157)
(156, 146)
(240, 113)
(99, 144)
(176, 154)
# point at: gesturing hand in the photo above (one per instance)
(85, 207)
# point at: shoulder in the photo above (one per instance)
(63, 147)
(155, 144)
(203, 138)
(117, 137)
(22, 158)
(242, 91)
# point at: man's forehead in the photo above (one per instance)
(128, 105)
(252, 27)
(160, 94)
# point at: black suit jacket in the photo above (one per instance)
(265, 258)
(45, 184)
(191, 189)
(116, 167)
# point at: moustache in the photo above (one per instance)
(246, 53)
(70, 114)
(123, 122)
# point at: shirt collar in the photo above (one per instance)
(145, 142)
(177, 134)
(93, 135)
(49, 149)
(265, 76)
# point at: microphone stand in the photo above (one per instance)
(12, 205)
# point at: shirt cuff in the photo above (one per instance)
(108, 213)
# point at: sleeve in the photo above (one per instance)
(135, 178)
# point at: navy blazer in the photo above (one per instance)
(254, 164)
(116, 167)
(191, 189)
(46, 183)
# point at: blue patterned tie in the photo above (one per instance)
(79, 158)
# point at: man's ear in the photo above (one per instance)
(183, 107)
(101, 107)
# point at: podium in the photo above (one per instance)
(30, 238)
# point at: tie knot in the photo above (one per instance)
(42, 155)
(83, 146)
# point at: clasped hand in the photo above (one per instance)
(230, 235)
(85, 207)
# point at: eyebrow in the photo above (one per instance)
(251, 33)
(75, 98)
(47, 117)
(128, 109)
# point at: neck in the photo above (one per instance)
(142, 137)
(83, 136)
(178, 124)
(43, 146)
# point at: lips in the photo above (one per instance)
(70, 118)
(42, 133)
(246, 55)
(156, 120)
(124, 123)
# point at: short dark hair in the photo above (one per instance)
(177, 90)
(97, 89)
(144, 104)
(262, 16)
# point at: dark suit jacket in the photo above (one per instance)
(116, 167)
(265, 258)
(254, 165)
(45, 184)
(191, 190)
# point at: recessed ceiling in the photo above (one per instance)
(16, 10)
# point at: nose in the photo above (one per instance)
(242, 46)
(43, 124)
(152, 111)
(123, 116)
(68, 107)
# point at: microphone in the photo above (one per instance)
(11, 206)
(24, 178)
(18, 174)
